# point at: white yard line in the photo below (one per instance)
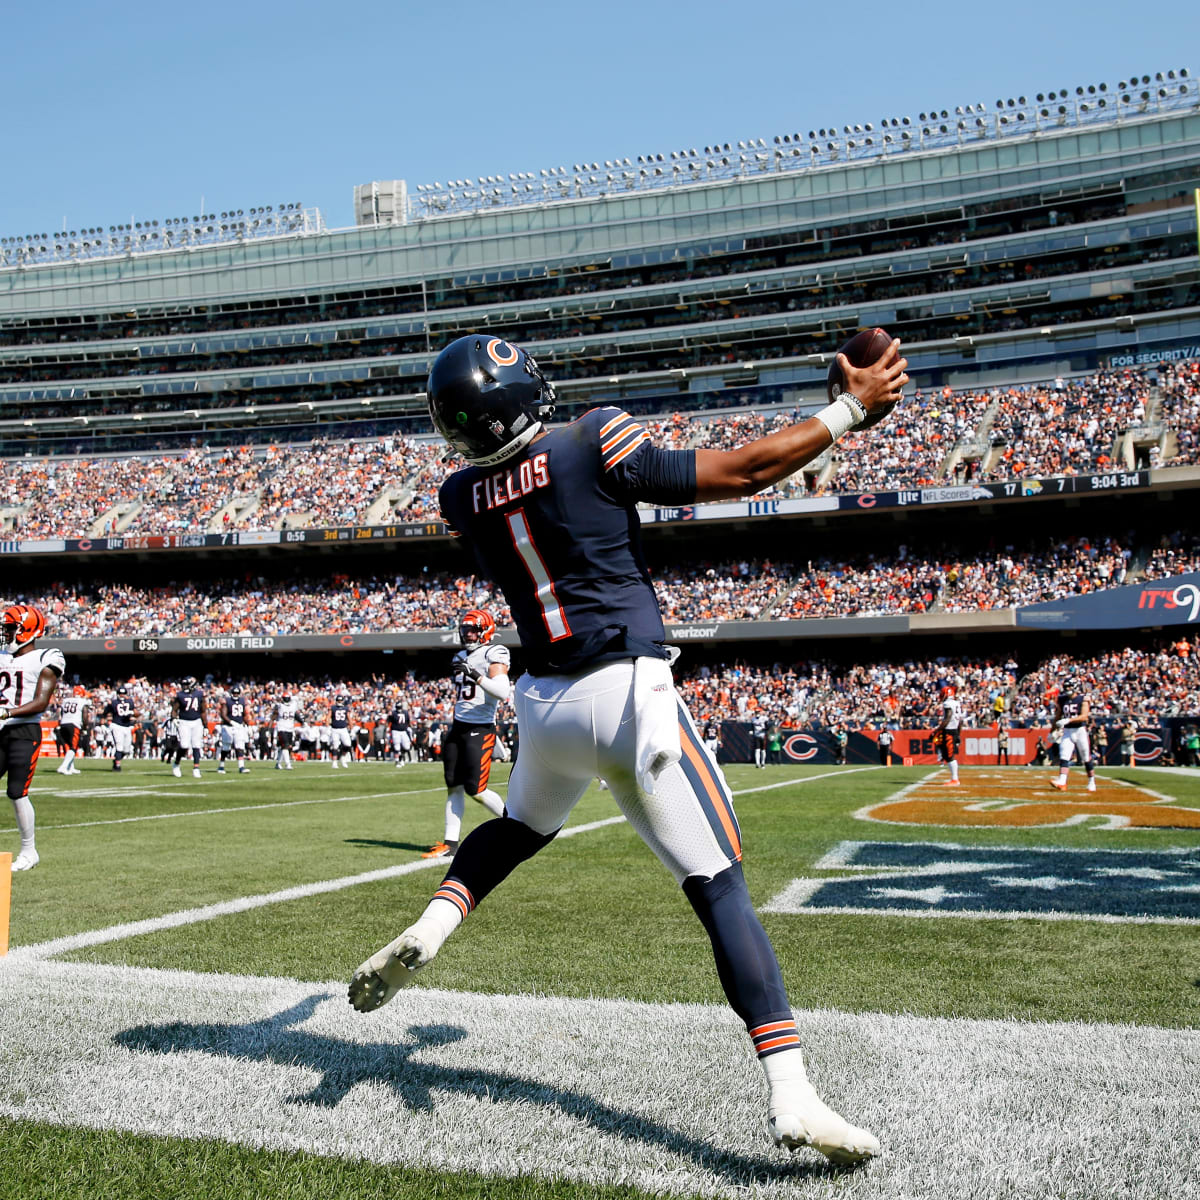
(209, 912)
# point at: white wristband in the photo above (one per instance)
(839, 418)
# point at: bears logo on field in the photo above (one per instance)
(1018, 798)
(927, 879)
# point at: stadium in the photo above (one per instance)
(218, 462)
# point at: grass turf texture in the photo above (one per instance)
(45, 1162)
(593, 916)
(598, 916)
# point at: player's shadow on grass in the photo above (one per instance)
(386, 845)
(341, 1065)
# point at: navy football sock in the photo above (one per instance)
(492, 851)
(746, 963)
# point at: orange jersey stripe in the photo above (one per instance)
(711, 787)
(612, 462)
(620, 436)
(624, 416)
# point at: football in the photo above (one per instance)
(862, 350)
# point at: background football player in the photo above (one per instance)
(552, 518)
(28, 680)
(480, 683)
(341, 745)
(1072, 714)
(121, 717)
(284, 716)
(235, 733)
(72, 716)
(188, 709)
(946, 736)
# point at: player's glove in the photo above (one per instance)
(3, 714)
(462, 665)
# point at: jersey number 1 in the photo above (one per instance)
(553, 616)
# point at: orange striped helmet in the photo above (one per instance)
(23, 624)
(476, 627)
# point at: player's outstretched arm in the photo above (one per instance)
(728, 474)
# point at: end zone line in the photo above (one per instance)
(191, 916)
(768, 787)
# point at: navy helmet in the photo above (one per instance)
(487, 398)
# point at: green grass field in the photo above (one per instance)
(174, 1019)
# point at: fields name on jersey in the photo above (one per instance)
(503, 487)
(243, 642)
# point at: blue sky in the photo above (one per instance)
(140, 110)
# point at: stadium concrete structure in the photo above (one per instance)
(1005, 243)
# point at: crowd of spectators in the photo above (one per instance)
(1144, 684)
(1063, 427)
(745, 589)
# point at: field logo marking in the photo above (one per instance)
(940, 879)
(1022, 798)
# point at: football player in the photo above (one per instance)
(28, 679)
(1070, 733)
(188, 709)
(552, 518)
(341, 746)
(72, 714)
(284, 716)
(121, 715)
(480, 674)
(400, 733)
(946, 736)
(235, 733)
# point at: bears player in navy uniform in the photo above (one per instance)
(1071, 735)
(28, 680)
(188, 710)
(551, 516)
(120, 711)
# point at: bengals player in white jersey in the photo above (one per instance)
(480, 683)
(28, 680)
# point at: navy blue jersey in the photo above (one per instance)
(190, 704)
(339, 716)
(398, 719)
(1071, 707)
(235, 711)
(120, 708)
(557, 530)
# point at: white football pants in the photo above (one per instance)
(575, 727)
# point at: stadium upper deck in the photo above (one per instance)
(1014, 255)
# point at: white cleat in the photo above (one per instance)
(195, 772)
(1054, 783)
(74, 771)
(61, 771)
(177, 772)
(804, 1119)
(1091, 787)
(387, 971)
(26, 861)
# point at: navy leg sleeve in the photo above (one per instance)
(492, 851)
(746, 963)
